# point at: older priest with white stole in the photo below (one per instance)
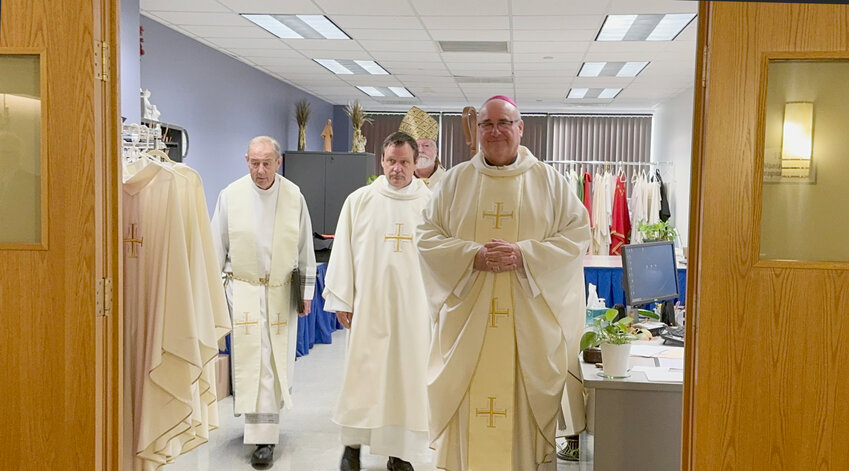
(263, 237)
(374, 283)
(425, 130)
(502, 246)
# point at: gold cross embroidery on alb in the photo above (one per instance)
(497, 215)
(133, 241)
(398, 237)
(492, 412)
(279, 323)
(494, 312)
(247, 324)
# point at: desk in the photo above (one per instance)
(605, 272)
(637, 423)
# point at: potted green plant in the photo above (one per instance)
(661, 230)
(614, 337)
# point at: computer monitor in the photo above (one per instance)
(649, 272)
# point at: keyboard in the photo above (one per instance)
(673, 335)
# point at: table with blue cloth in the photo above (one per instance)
(608, 282)
(315, 327)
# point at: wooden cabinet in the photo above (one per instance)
(326, 179)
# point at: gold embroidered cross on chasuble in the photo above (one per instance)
(492, 401)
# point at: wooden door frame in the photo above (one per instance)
(109, 337)
(693, 266)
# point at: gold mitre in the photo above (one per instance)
(420, 125)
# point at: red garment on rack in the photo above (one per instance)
(620, 227)
(588, 195)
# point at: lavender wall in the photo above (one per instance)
(130, 74)
(342, 131)
(222, 102)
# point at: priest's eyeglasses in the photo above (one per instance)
(501, 124)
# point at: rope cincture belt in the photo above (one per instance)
(260, 282)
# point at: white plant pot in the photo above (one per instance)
(614, 359)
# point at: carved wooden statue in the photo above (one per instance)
(470, 124)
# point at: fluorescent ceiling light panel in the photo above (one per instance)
(631, 69)
(372, 67)
(669, 26)
(615, 27)
(270, 24)
(298, 26)
(370, 91)
(591, 69)
(352, 67)
(334, 66)
(577, 92)
(324, 26)
(644, 27)
(400, 92)
(609, 93)
(611, 69)
(593, 93)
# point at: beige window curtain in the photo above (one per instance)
(535, 135)
(453, 149)
(600, 138)
(383, 125)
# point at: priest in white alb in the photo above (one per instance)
(263, 236)
(374, 283)
(502, 246)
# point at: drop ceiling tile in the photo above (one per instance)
(558, 22)
(291, 7)
(202, 18)
(470, 34)
(399, 46)
(376, 22)
(546, 57)
(371, 80)
(548, 47)
(559, 7)
(268, 53)
(487, 70)
(371, 7)
(227, 31)
(409, 34)
(182, 5)
(475, 57)
(584, 35)
(652, 6)
(242, 43)
(455, 8)
(406, 56)
(463, 22)
(308, 46)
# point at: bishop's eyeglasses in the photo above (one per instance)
(501, 124)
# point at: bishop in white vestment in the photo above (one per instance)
(374, 283)
(262, 232)
(502, 245)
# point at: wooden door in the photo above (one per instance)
(59, 330)
(766, 386)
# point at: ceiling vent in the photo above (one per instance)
(470, 79)
(473, 46)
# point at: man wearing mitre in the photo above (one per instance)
(425, 130)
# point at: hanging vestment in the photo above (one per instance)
(621, 225)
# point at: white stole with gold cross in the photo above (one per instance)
(492, 402)
(249, 286)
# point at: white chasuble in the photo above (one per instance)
(161, 337)
(374, 271)
(250, 287)
(547, 304)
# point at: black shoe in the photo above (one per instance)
(570, 450)
(350, 459)
(263, 457)
(397, 464)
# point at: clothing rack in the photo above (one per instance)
(141, 137)
(608, 162)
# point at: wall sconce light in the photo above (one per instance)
(797, 139)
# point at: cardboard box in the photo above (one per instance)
(222, 375)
